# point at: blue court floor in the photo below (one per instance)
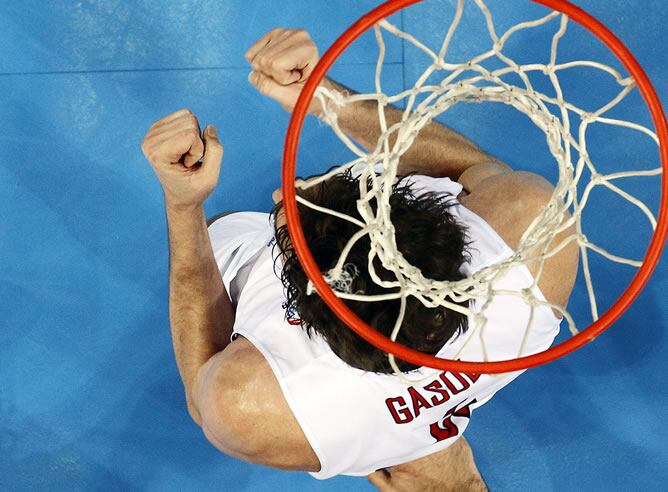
(90, 396)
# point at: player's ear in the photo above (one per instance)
(277, 195)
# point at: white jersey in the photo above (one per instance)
(356, 421)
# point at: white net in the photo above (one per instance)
(565, 127)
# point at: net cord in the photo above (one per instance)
(453, 89)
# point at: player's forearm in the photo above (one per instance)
(200, 311)
(438, 151)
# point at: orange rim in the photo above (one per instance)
(421, 359)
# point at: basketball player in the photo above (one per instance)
(270, 374)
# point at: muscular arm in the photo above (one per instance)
(200, 312)
(437, 151)
(283, 60)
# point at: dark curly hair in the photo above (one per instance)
(428, 237)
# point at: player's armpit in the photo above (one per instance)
(244, 412)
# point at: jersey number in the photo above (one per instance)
(446, 428)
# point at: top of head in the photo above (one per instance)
(422, 225)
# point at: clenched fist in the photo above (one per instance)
(282, 62)
(174, 148)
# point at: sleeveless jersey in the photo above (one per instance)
(356, 421)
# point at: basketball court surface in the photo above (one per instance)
(90, 396)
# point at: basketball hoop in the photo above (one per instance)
(650, 260)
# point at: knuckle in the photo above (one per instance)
(146, 146)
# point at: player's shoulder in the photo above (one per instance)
(245, 414)
(497, 178)
(507, 200)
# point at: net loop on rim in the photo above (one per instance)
(470, 81)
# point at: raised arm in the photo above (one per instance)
(438, 151)
(282, 62)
